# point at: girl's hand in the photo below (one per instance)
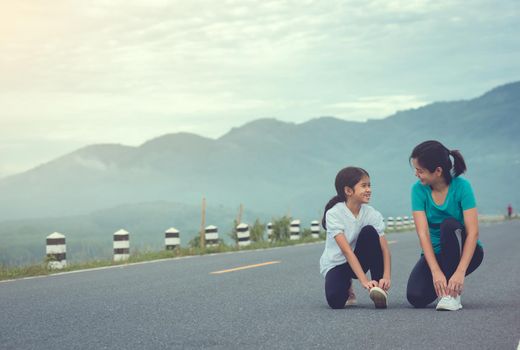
(456, 284)
(384, 283)
(369, 284)
(439, 283)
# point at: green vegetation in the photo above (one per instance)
(281, 229)
(257, 231)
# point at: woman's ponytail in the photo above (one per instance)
(459, 165)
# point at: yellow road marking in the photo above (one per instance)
(245, 267)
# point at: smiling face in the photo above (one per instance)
(425, 176)
(361, 192)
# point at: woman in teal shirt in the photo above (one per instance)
(446, 221)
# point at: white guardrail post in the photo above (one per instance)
(56, 250)
(211, 236)
(172, 238)
(121, 245)
(295, 230)
(243, 235)
(315, 229)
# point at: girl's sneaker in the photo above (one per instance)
(449, 303)
(379, 297)
(351, 301)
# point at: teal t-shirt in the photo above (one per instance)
(459, 198)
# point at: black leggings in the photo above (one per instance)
(420, 290)
(339, 278)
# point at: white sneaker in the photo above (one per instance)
(449, 303)
(379, 297)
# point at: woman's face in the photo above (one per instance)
(424, 175)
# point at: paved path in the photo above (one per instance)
(279, 305)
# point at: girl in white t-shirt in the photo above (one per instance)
(355, 242)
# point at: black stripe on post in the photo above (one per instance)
(122, 251)
(57, 256)
(212, 230)
(121, 237)
(244, 229)
(172, 235)
(244, 239)
(55, 241)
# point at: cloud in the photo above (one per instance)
(128, 47)
(375, 107)
(91, 163)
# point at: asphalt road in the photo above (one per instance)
(180, 304)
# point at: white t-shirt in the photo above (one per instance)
(340, 219)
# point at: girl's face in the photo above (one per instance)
(361, 192)
(425, 176)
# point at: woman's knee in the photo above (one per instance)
(416, 300)
(476, 260)
(419, 289)
(450, 225)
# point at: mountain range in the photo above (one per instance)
(274, 168)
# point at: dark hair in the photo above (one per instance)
(432, 154)
(346, 177)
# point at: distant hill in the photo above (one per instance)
(274, 168)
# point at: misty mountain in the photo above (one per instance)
(275, 168)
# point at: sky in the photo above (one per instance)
(75, 73)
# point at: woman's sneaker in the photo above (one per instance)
(449, 303)
(351, 301)
(379, 297)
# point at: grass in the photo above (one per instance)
(41, 269)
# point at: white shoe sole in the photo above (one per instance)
(379, 297)
(448, 308)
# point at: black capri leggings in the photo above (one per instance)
(420, 290)
(339, 278)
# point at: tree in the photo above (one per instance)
(257, 231)
(281, 228)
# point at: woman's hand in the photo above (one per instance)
(456, 284)
(439, 283)
(384, 283)
(369, 284)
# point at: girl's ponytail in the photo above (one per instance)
(459, 165)
(333, 201)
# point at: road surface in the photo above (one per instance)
(277, 304)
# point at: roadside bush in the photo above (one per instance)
(281, 228)
(257, 231)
